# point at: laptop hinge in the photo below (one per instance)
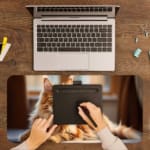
(75, 18)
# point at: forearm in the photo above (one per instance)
(109, 141)
(22, 146)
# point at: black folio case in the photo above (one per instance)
(67, 98)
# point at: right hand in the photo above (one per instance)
(95, 113)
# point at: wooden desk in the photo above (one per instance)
(132, 19)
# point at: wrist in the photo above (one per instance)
(31, 145)
(101, 127)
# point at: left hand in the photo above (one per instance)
(39, 133)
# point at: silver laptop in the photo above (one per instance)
(74, 37)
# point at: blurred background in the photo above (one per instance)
(122, 98)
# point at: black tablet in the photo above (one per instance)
(67, 98)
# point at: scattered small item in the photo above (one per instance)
(4, 47)
(136, 40)
(137, 52)
(146, 33)
(149, 54)
(4, 43)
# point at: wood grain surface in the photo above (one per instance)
(132, 20)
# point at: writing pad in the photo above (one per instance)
(67, 98)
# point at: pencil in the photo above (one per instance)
(4, 43)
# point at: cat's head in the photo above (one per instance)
(46, 100)
(44, 106)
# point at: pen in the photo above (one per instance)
(4, 43)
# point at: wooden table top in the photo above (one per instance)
(132, 20)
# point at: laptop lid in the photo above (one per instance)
(72, 10)
(67, 98)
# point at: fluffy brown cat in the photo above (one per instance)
(44, 109)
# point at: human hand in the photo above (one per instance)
(95, 113)
(40, 132)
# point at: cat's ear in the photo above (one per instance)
(47, 85)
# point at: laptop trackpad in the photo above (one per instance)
(73, 61)
(62, 61)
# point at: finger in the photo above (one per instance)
(51, 130)
(85, 118)
(88, 104)
(43, 121)
(48, 123)
(37, 122)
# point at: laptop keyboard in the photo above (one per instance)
(74, 38)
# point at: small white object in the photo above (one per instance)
(149, 54)
(146, 34)
(4, 51)
(136, 40)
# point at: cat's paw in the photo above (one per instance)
(56, 139)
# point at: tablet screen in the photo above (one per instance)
(67, 98)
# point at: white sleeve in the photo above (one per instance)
(22, 146)
(109, 141)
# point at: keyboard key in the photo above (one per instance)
(45, 49)
(70, 39)
(82, 44)
(60, 39)
(55, 39)
(109, 44)
(93, 49)
(63, 44)
(40, 39)
(91, 44)
(109, 34)
(72, 44)
(89, 39)
(69, 49)
(88, 35)
(94, 39)
(39, 49)
(103, 35)
(80, 39)
(39, 30)
(87, 44)
(88, 49)
(65, 39)
(109, 49)
(48, 44)
(109, 39)
(77, 45)
(68, 44)
(104, 49)
(58, 44)
(85, 39)
(41, 44)
(53, 44)
(43, 30)
(78, 35)
(39, 34)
